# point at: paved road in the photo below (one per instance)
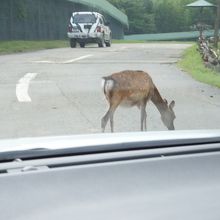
(58, 91)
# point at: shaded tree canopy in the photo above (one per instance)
(161, 16)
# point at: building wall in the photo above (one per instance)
(41, 19)
(116, 27)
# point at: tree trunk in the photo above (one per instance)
(217, 21)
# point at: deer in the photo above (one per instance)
(130, 88)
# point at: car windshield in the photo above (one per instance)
(154, 67)
(84, 18)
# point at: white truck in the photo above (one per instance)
(89, 27)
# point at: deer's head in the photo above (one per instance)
(168, 115)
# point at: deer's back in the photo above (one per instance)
(131, 86)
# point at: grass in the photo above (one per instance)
(24, 46)
(192, 63)
(7, 47)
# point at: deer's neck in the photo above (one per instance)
(158, 101)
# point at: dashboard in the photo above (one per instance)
(164, 175)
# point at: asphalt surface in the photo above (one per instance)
(58, 91)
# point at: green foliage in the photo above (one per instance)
(193, 64)
(162, 16)
(170, 17)
(22, 46)
(140, 15)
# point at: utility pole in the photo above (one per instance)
(217, 23)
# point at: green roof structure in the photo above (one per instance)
(201, 3)
(106, 7)
(168, 36)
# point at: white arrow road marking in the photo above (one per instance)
(23, 86)
(64, 62)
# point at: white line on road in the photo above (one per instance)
(23, 86)
(64, 62)
(76, 59)
(44, 61)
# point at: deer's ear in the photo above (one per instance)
(172, 104)
(166, 101)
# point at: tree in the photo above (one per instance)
(140, 15)
(216, 34)
(172, 16)
(150, 16)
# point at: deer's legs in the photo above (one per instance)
(143, 116)
(105, 120)
(110, 114)
(112, 121)
(145, 120)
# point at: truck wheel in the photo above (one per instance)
(101, 42)
(82, 45)
(72, 43)
(108, 43)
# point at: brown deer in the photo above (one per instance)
(134, 88)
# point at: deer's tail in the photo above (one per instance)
(107, 85)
